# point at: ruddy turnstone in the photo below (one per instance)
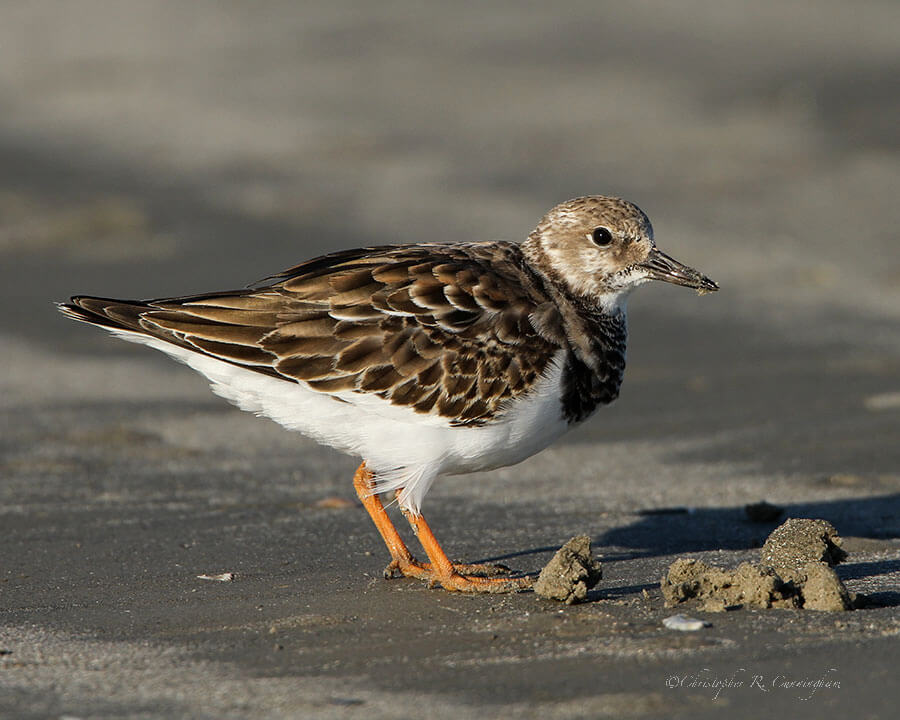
(424, 359)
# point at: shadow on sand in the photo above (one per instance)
(676, 531)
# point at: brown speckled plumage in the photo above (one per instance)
(444, 329)
(426, 359)
(460, 331)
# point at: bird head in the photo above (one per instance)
(601, 248)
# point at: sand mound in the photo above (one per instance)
(570, 573)
(795, 571)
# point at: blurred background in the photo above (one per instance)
(761, 138)
(162, 148)
(152, 148)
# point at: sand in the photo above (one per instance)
(158, 147)
(571, 572)
(800, 541)
(794, 572)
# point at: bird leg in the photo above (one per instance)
(401, 558)
(463, 578)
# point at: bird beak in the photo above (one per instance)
(660, 266)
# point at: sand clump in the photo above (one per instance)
(798, 542)
(795, 571)
(571, 572)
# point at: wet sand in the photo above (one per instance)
(152, 149)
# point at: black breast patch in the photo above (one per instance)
(583, 388)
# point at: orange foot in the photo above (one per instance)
(413, 568)
(440, 571)
(462, 577)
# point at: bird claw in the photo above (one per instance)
(393, 571)
(478, 578)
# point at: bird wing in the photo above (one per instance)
(453, 330)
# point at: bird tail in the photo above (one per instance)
(106, 312)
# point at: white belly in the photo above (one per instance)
(405, 449)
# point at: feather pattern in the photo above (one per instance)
(445, 330)
(423, 359)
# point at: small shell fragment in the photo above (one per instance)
(685, 623)
(221, 577)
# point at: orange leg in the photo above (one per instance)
(455, 577)
(464, 578)
(401, 557)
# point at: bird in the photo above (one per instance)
(423, 360)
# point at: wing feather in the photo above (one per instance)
(452, 330)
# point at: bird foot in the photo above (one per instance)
(481, 569)
(481, 578)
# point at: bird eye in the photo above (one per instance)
(601, 236)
